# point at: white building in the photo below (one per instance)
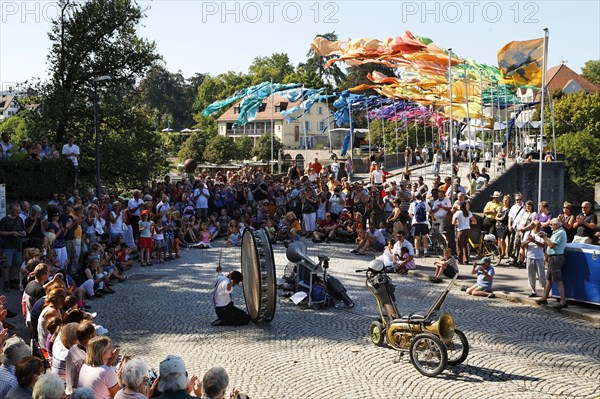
(9, 106)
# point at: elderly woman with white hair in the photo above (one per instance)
(135, 380)
(49, 386)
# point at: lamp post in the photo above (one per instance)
(97, 130)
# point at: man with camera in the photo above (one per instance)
(555, 249)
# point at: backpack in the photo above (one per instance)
(420, 212)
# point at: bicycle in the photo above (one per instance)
(485, 246)
(437, 240)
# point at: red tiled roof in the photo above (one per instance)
(559, 76)
(266, 115)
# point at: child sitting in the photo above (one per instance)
(235, 238)
(446, 266)
(205, 237)
(270, 230)
(410, 265)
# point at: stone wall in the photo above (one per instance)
(524, 178)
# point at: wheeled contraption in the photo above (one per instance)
(305, 275)
(433, 342)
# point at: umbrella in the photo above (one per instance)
(186, 130)
(167, 130)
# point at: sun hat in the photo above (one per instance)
(497, 194)
(14, 349)
(485, 259)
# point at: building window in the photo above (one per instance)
(320, 110)
(308, 111)
(262, 107)
(236, 110)
(321, 126)
(307, 126)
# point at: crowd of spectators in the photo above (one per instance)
(80, 245)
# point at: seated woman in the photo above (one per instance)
(97, 372)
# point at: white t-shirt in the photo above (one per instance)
(534, 251)
(464, 222)
(377, 176)
(441, 213)
(335, 167)
(133, 204)
(397, 250)
(6, 149)
(411, 211)
(222, 295)
(377, 234)
(71, 149)
(487, 156)
(117, 226)
(515, 212)
(99, 379)
(202, 200)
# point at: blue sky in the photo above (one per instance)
(214, 36)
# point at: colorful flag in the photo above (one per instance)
(521, 63)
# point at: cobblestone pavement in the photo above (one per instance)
(516, 350)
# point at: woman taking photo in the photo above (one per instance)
(97, 372)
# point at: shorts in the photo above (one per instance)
(482, 288)
(449, 272)
(377, 246)
(145, 242)
(555, 263)
(420, 229)
(160, 244)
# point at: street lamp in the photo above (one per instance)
(96, 129)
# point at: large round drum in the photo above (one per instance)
(258, 268)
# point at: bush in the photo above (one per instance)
(28, 180)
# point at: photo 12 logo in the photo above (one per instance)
(469, 11)
(270, 11)
(28, 11)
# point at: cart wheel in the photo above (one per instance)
(377, 333)
(428, 354)
(458, 349)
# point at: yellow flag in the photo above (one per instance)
(521, 63)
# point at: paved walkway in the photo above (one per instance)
(516, 350)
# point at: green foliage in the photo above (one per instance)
(357, 75)
(244, 146)
(263, 147)
(220, 149)
(315, 63)
(27, 180)
(307, 77)
(171, 141)
(170, 96)
(275, 67)
(195, 146)
(591, 71)
(582, 154)
(16, 126)
(92, 39)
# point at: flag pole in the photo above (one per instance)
(481, 112)
(304, 130)
(272, 127)
(396, 130)
(383, 131)
(450, 120)
(467, 109)
(328, 124)
(544, 63)
(368, 125)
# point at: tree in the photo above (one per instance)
(306, 77)
(275, 67)
(89, 40)
(195, 145)
(220, 149)
(170, 95)
(316, 63)
(263, 147)
(582, 157)
(244, 147)
(591, 71)
(357, 75)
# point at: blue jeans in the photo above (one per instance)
(14, 257)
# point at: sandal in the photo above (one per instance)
(541, 302)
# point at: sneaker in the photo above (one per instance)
(533, 295)
(216, 323)
(316, 240)
(491, 295)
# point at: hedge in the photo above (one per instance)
(36, 180)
